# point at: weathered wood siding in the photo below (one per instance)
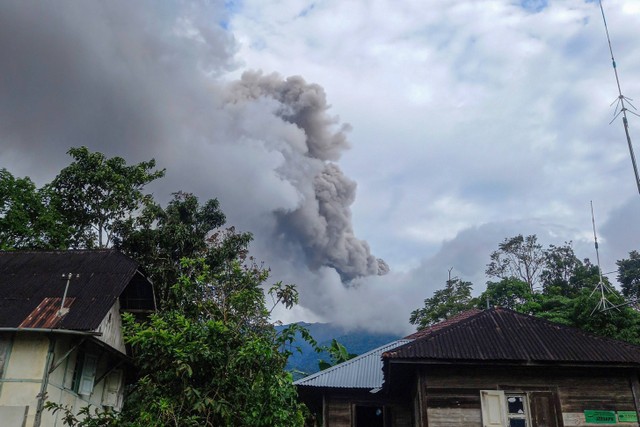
(337, 413)
(452, 395)
(111, 329)
(400, 416)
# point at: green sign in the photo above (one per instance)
(627, 416)
(600, 417)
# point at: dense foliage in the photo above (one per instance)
(454, 298)
(27, 220)
(629, 275)
(211, 358)
(94, 193)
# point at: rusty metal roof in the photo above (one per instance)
(503, 335)
(440, 325)
(364, 371)
(32, 285)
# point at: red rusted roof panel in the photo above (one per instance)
(47, 314)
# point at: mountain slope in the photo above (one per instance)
(305, 362)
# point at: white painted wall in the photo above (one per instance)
(111, 329)
(22, 378)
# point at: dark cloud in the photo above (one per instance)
(615, 233)
(142, 80)
(115, 76)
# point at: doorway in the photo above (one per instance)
(369, 416)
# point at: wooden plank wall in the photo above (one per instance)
(452, 395)
(401, 416)
(337, 413)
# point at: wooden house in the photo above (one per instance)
(488, 368)
(61, 331)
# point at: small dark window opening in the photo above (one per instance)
(369, 416)
(77, 372)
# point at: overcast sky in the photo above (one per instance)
(345, 132)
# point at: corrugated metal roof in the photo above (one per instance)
(440, 325)
(364, 371)
(500, 334)
(32, 280)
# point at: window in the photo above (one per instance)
(517, 410)
(85, 373)
(494, 413)
(111, 395)
(521, 409)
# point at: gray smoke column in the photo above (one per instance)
(149, 79)
(321, 223)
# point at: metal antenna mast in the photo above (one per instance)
(604, 304)
(620, 104)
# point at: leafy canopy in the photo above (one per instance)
(27, 220)
(95, 192)
(629, 275)
(445, 303)
(211, 358)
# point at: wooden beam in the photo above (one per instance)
(635, 389)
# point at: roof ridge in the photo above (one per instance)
(453, 324)
(443, 324)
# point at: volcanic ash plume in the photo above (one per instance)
(320, 226)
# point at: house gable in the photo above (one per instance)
(34, 284)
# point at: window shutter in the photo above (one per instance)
(88, 374)
(112, 389)
(543, 409)
(493, 408)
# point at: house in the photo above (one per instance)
(61, 331)
(486, 368)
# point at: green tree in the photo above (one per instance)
(211, 357)
(580, 311)
(565, 275)
(560, 264)
(629, 275)
(337, 354)
(518, 257)
(445, 303)
(160, 238)
(509, 293)
(94, 193)
(27, 217)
